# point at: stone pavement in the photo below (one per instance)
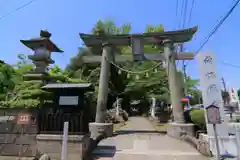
(139, 141)
(15, 158)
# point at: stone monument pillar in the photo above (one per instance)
(42, 47)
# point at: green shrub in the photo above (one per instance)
(198, 118)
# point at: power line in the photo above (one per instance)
(176, 13)
(232, 65)
(216, 28)
(181, 13)
(180, 19)
(15, 10)
(190, 13)
(176, 10)
(185, 13)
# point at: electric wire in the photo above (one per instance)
(190, 13)
(215, 29)
(230, 64)
(17, 9)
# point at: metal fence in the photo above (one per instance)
(52, 123)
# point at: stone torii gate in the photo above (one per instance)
(137, 42)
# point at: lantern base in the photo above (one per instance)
(175, 130)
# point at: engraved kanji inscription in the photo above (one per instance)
(207, 59)
(210, 75)
(212, 89)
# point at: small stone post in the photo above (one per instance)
(153, 107)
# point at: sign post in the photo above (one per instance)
(213, 116)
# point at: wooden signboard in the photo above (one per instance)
(213, 114)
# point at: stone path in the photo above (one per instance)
(138, 141)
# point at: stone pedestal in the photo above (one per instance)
(226, 143)
(52, 145)
(175, 129)
(100, 129)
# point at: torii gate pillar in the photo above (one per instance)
(99, 127)
(176, 128)
(172, 80)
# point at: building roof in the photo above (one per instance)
(178, 36)
(67, 85)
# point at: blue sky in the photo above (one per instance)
(65, 19)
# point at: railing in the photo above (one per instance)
(52, 123)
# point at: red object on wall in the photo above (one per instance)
(184, 100)
(23, 118)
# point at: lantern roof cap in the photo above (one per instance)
(43, 40)
(212, 106)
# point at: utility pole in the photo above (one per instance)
(184, 72)
(225, 93)
(224, 84)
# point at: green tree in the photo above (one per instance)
(91, 72)
(62, 75)
(22, 67)
(23, 93)
(6, 80)
(152, 83)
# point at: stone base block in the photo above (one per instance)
(100, 129)
(176, 129)
(52, 145)
(226, 144)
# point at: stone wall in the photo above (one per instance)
(52, 145)
(14, 137)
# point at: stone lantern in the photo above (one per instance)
(42, 48)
